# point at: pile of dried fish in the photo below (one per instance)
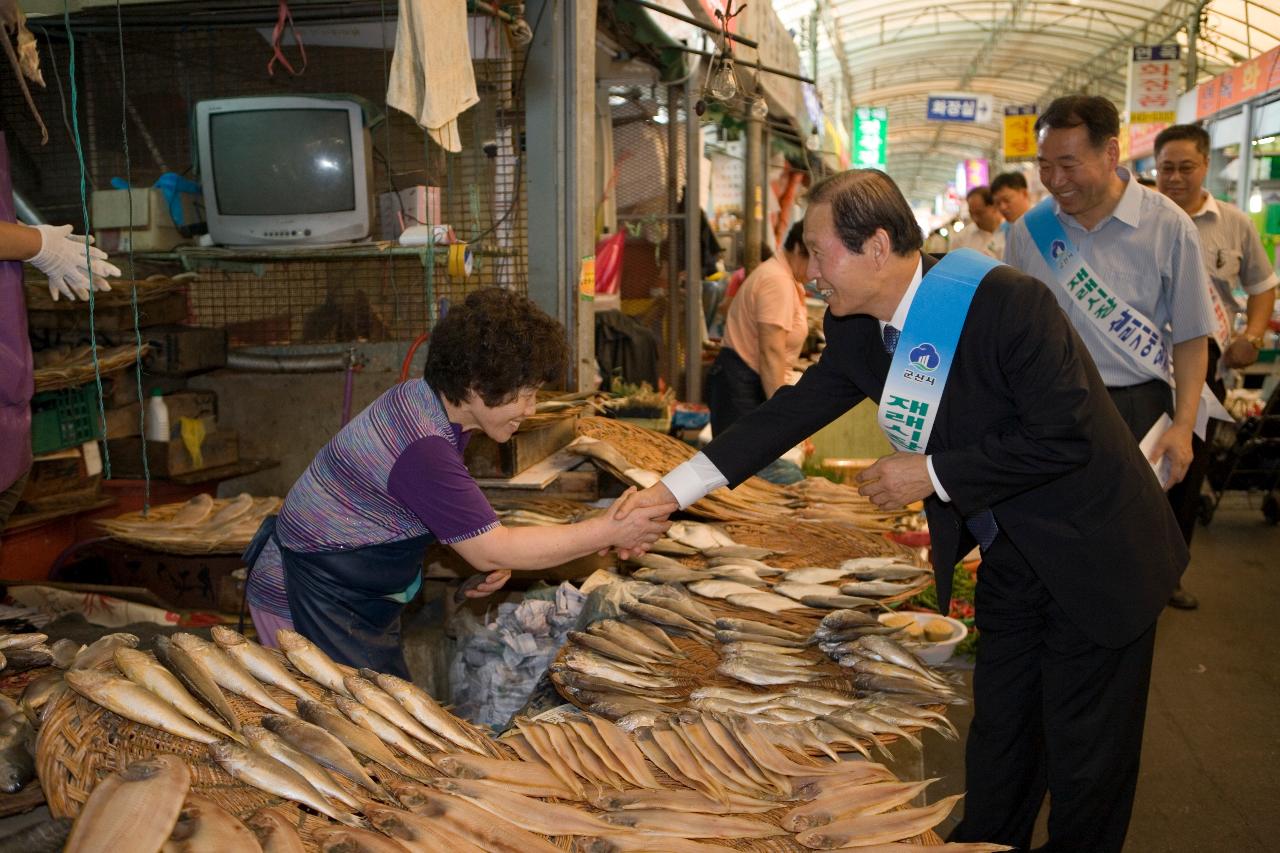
(202, 525)
(877, 662)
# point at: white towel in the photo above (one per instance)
(431, 74)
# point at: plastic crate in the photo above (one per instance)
(67, 417)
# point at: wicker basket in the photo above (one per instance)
(151, 530)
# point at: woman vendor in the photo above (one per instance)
(764, 332)
(345, 553)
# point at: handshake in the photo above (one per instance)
(638, 519)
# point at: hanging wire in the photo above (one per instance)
(133, 279)
(84, 211)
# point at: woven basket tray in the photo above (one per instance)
(81, 370)
(149, 531)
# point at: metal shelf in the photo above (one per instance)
(192, 257)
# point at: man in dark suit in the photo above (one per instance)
(1029, 458)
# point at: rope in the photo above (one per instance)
(133, 295)
(84, 212)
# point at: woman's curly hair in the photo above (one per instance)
(495, 344)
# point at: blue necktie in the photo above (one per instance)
(981, 524)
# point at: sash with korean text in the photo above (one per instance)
(927, 348)
(1126, 328)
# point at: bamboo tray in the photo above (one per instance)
(150, 530)
(78, 368)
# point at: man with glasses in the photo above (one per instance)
(1233, 257)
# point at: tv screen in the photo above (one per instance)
(282, 162)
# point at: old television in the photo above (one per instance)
(284, 170)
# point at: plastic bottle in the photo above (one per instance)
(157, 417)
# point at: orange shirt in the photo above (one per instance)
(769, 295)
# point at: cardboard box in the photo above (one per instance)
(153, 227)
(167, 458)
(123, 421)
(184, 350)
(486, 458)
(410, 206)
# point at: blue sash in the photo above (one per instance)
(927, 347)
(1129, 331)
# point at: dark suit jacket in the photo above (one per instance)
(1025, 428)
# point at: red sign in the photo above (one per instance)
(1247, 80)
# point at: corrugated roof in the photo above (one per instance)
(877, 53)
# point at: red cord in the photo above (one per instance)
(408, 359)
(285, 16)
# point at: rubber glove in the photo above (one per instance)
(62, 259)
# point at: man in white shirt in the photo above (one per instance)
(1011, 195)
(985, 232)
(1233, 258)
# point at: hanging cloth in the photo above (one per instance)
(431, 76)
(284, 16)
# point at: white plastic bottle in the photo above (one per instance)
(157, 417)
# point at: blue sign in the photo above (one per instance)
(958, 106)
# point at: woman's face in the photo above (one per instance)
(500, 422)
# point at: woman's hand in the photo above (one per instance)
(493, 582)
(634, 527)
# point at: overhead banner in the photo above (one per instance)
(1249, 79)
(870, 137)
(1020, 132)
(1154, 74)
(968, 107)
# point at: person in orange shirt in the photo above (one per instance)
(764, 331)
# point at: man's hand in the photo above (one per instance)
(896, 480)
(493, 582)
(1175, 444)
(1239, 353)
(656, 502)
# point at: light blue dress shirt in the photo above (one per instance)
(1146, 252)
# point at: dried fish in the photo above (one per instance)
(143, 670)
(357, 739)
(17, 750)
(797, 591)
(814, 574)
(197, 678)
(203, 826)
(668, 619)
(595, 754)
(751, 672)
(275, 831)
(347, 839)
(608, 648)
(763, 570)
(675, 598)
(639, 843)
(64, 652)
(275, 777)
(579, 681)
(842, 619)
(670, 546)
(889, 651)
(528, 778)
(374, 722)
(384, 704)
(683, 574)
(261, 663)
(640, 719)
(626, 635)
(134, 808)
(736, 550)
(427, 711)
(726, 637)
(872, 798)
(537, 745)
(274, 746)
(21, 641)
(877, 589)
(193, 511)
(39, 693)
(471, 822)
(669, 754)
(766, 601)
(136, 703)
(748, 626)
(657, 562)
(526, 812)
(698, 535)
(315, 742)
(654, 633)
(680, 801)
(237, 507)
(742, 574)
(48, 836)
(720, 588)
(226, 672)
(310, 661)
(837, 602)
(621, 746)
(415, 833)
(692, 825)
(102, 650)
(741, 647)
(865, 830)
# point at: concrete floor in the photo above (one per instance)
(1210, 775)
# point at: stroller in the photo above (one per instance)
(1249, 460)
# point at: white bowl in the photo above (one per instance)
(941, 651)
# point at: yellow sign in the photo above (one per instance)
(587, 279)
(1019, 132)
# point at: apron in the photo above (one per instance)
(348, 602)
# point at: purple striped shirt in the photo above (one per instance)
(394, 472)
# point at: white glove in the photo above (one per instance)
(62, 259)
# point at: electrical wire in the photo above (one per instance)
(133, 279)
(84, 210)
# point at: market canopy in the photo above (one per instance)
(1024, 52)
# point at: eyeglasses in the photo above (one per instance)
(1183, 169)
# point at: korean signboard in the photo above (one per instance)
(1154, 74)
(1020, 132)
(959, 107)
(870, 135)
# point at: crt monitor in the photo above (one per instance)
(284, 170)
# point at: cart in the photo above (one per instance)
(1247, 459)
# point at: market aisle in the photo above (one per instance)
(1209, 780)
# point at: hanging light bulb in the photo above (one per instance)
(759, 108)
(724, 83)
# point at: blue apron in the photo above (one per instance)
(348, 602)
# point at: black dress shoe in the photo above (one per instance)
(1183, 600)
